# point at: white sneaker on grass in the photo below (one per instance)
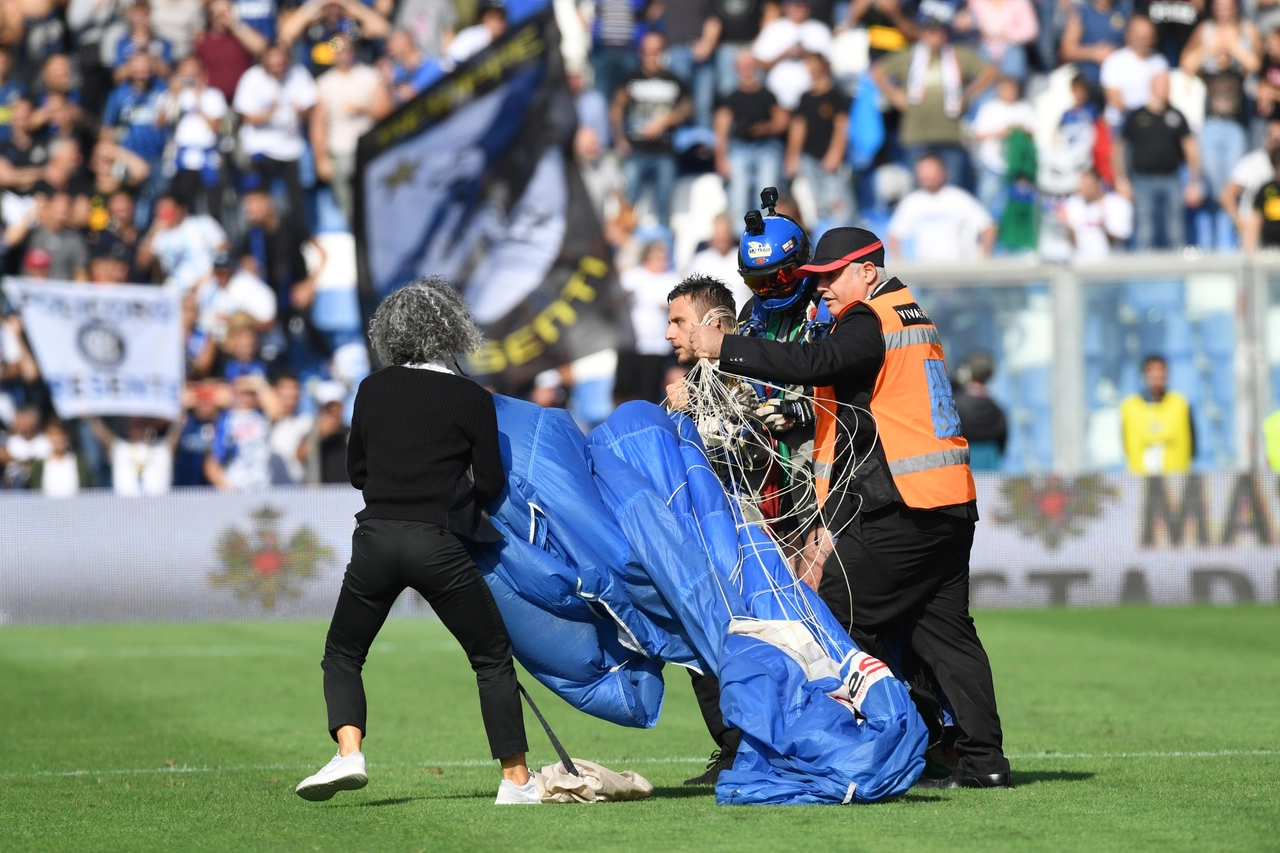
(343, 773)
(511, 794)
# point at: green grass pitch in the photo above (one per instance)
(1129, 729)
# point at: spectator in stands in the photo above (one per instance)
(67, 250)
(61, 473)
(199, 351)
(615, 32)
(60, 98)
(930, 84)
(288, 431)
(739, 25)
(1156, 426)
(23, 154)
(1174, 21)
(1268, 91)
(142, 461)
(491, 23)
(11, 91)
(890, 24)
(178, 22)
(272, 99)
(719, 259)
(24, 445)
(120, 219)
(36, 263)
(640, 371)
(1097, 220)
(195, 440)
(1127, 73)
(1249, 174)
(992, 124)
(64, 172)
(402, 65)
(592, 141)
(181, 246)
(309, 30)
(1262, 227)
(141, 41)
(18, 370)
(816, 142)
(271, 247)
(195, 110)
(693, 32)
(782, 47)
(227, 48)
(1157, 143)
(982, 421)
(240, 355)
(429, 23)
(647, 108)
(240, 458)
(940, 222)
(134, 111)
(351, 98)
(1095, 30)
(110, 261)
(749, 124)
(114, 169)
(1223, 51)
(262, 15)
(232, 290)
(1005, 28)
(324, 451)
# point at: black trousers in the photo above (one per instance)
(388, 556)
(902, 574)
(707, 690)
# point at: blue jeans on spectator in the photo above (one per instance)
(1222, 143)
(726, 73)
(611, 65)
(1157, 205)
(954, 157)
(832, 192)
(656, 168)
(1012, 64)
(700, 77)
(991, 190)
(753, 166)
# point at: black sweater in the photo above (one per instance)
(414, 435)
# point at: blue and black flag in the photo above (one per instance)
(474, 180)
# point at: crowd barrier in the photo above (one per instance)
(1091, 540)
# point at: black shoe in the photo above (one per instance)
(719, 761)
(962, 779)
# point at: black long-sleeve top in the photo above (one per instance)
(414, 435)
(849, 359)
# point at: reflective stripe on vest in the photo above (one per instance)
(910, 337)
(824, 441)
(929, 461)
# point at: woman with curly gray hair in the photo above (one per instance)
(424, 451)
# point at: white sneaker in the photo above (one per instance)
(511, 794)
(343, 773)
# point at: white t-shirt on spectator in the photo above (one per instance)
(194, 135)
(941, 226)
(996, 116)
(286, 436)
(244, 292)
(468, 43)
(61, 477)
(138, 468)
(648, 293)
(26, 449)
(186, 251)
(1131, 74)
(1096, 223)
(1251, 172)
(790, 79)
(338, 89)
(724, 267)
(281, 137)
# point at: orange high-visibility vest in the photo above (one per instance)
(914, 412)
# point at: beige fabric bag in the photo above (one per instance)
(594, 784)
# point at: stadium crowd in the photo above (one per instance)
(196, 145)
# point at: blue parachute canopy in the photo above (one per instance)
(623, 553)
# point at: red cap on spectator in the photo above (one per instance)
(37, 260)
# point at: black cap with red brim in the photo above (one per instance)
(840, 247)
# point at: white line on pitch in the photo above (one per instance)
(475, 762)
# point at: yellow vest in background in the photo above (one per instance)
(1157, 436)
(1271, 438)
